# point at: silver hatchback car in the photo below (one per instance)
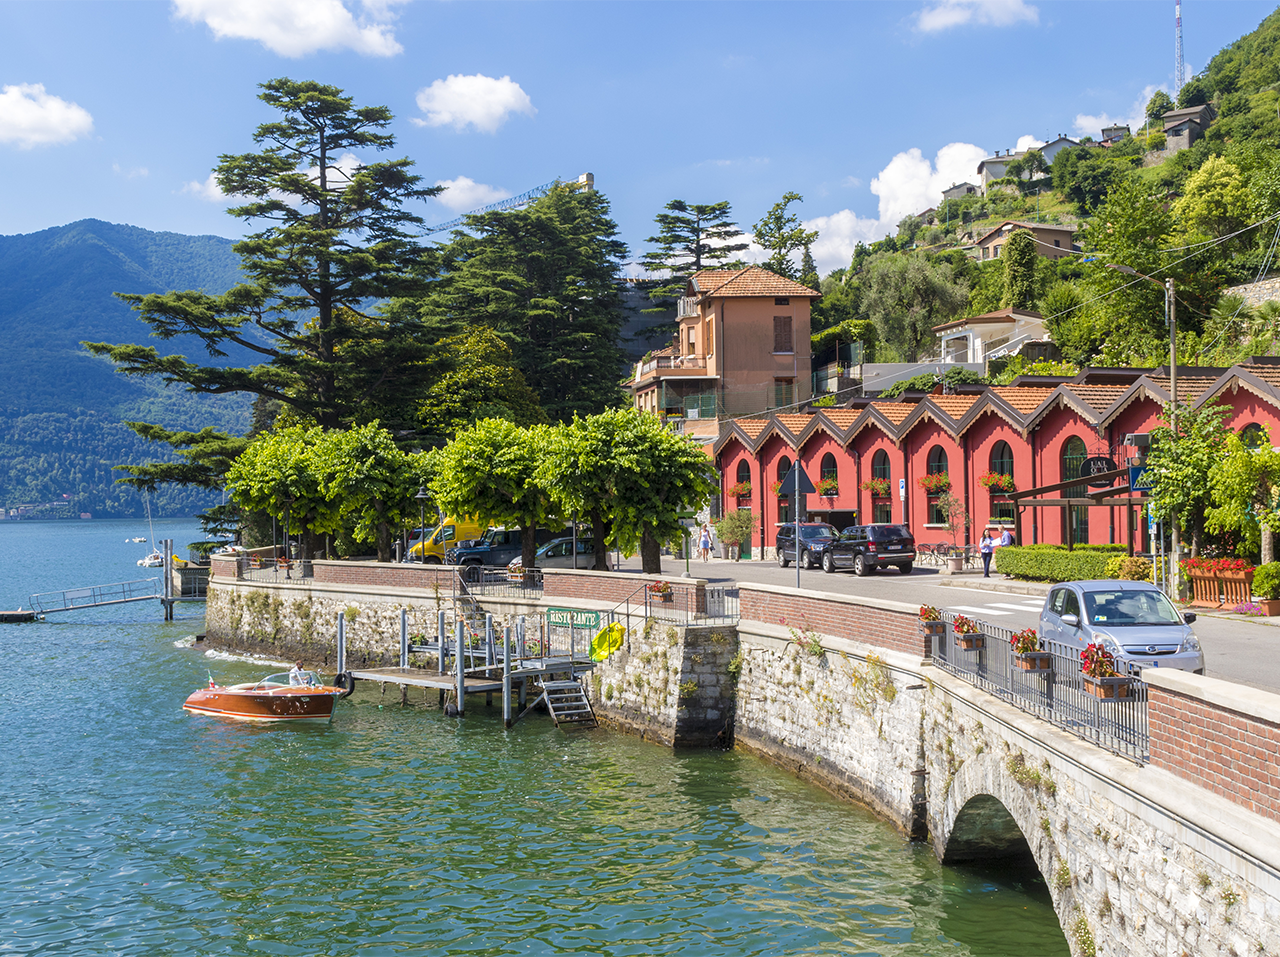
(1132, 620)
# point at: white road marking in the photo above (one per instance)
(984, 610)
(1000, 604)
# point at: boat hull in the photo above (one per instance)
(283, 704)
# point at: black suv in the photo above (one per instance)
(864, 548)
(814, 539)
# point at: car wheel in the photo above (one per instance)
(859, 565)
(905, 569)
(828, 563)
(808, 560)
(782, 558)
(433, 560)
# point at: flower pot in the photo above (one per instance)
(1108, 688)
(955, 563)
(667, 597)
(1035, 662)
(1237, 586)
(971, 642)
(1205, 590)
(1269, 607)
(940, 627)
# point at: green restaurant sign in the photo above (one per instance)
(574, 618)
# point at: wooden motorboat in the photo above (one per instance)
(288, 696)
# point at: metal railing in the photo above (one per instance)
(671, 362)
(686, 306)
(94, 596)
(1057, 694)
(274, 570)
(497, 581)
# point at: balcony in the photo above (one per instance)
(672, 365)
(686, 306)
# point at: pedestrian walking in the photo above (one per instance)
(1006, 538)
(704, 542)
(986, 547)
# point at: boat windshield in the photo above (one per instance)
(306, 679)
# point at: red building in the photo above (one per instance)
(1036, 432)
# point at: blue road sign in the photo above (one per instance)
(1138, 480)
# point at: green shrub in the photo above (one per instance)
(1053, 563)
(1133, 568)
(1266, 581)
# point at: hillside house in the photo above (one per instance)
(1007, 331)
(1053, 241)
(742, 347)
(1182, 128)
(959, 190)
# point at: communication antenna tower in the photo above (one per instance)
(1178, 67)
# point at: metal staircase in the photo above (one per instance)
(568, 704)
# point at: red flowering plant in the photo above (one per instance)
(965, 626)
(827, 486)
(997, 482)
(1213, 566)
(1024, 642)
(659, 588)
(876, 486)
(1097, 662)
(777, 489)
(935, 482)
(930, 613)
(740, 490)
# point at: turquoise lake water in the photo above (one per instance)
(128, 827)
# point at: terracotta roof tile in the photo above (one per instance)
(753, 427)
(1267, 373)
(1023, 400)
(954, 405)
(895, 412)
(794, 423)
(751, 281)
(1189, 388)
(842, 418)
(1097, 397)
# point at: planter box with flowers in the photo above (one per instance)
(931, 626)
(1219, 581)
(661, 591)
(777, 489)
(878, 487)
(935, 483)
(1098, 669)
(827, 487)
(1027, 654)
(997, 483)
(968, 636)
(741, 490)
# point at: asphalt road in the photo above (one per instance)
(1236, 648)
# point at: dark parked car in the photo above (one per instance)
(814, 539)
(864, 548)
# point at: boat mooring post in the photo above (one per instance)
(441, 638)
(342, 643)
(404, 637)
(506, 677)
(488, 640)
(460, 629)
(524, 682)
(167, 584)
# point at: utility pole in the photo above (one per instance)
(1170, 311)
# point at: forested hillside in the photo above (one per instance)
(61, 410)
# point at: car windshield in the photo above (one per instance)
(882, 533)
(1127, 607)
(816, 531)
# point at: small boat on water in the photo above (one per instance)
(140, 541)
(288, 696)
(154, 560)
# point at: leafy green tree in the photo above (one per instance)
(1019, 256)
(1215, 199)
(545, 279)
(691, 236)
(1244, 486)
(577, 470)
(1071, 329)
(1159, 104)
(482, 382)
(1194, 92)
(276, 475)
(906, 296)
(1180, 463)
(491, 471)
(337, 237)
(780, 233)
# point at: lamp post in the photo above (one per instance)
(288, 518)
(1170, 315)
(422, 497)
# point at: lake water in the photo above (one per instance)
(128, 827)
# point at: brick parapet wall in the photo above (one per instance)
(386, 574)
(687, 594)
(882, 624)
(1220, 736)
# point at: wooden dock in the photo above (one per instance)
(16, 617)
(422, 678)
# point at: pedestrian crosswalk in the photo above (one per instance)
(998, 608)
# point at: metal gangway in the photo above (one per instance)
(95, 596)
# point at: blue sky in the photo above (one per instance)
(118, 111)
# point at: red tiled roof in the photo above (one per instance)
(1097, 397)
(753, 427)
(1190, 388)
(1267, 373)
(751, 281)
(895, 412)
(1022, 399)
(954, 405)
(793, 422)
(841, 418)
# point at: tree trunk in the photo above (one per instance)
(528, 544)
(1268, 545)
(598, 537)
(384, 539)
(650, 554)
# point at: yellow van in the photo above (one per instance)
(443, 536)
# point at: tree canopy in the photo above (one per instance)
(781, 234)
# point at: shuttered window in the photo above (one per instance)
(782, 334)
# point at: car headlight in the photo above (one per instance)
(1190, 643)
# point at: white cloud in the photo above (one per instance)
(464, 193)
(910, 183)
(208, 190)
(480, 101)
(851, 181)
(134, 173)
(294, 28)
(946, 14)
(838, 234)
(1028, 142)
(31, 117)
(1091, 124)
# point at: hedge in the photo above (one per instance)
(1053, 563)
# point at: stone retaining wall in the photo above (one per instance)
(1256, 293)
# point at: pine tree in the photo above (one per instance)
(780, 233)
(809, 269)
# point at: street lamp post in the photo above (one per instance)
(422, 497)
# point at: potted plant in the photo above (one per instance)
(997, 483)
(662, 590)
(1027, 654)
(1266, 584)
(777, 489)
(827, 487)
(878, 487)
(968, 635)
(1098, 666)
(956, 519)
(931, 625)
(935, 483)
(734, 529)
(740, 490)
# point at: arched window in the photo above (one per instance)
(784, 466)
(744, 470)
(937, 466)
(784, 501)
(1001, 464)
(881, 509)
(829, 473)
(880, 465)
(1076, 522)
(1253, 435)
